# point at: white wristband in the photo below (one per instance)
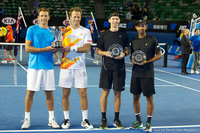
(73, 49)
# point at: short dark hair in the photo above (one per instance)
(196, 30)
(114, 14)
(77, 9)
(44, 9)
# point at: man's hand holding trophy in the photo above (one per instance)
(57, 44)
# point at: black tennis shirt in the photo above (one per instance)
(106, 39)
(149, 45)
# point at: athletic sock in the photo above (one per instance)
(51, 115)
(84, 114)
(103, 115)
(116, 115)
(138, 117)
(66, 114)
(27, 115)
(149, 118)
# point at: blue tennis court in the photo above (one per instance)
(176, 101)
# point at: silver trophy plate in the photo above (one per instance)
(139, 56)
(115, 50)
(57, 32)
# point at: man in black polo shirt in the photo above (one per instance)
(113, 68)
(143, 73)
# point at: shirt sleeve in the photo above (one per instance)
(157, 47)
(100, 42)
(126, 40)
(88, 38)
(131, 47)
(191, 38)
(29, 35)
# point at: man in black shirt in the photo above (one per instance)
(113, 68)
(142, 80)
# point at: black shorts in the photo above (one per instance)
(9, 47)
(117, 77)
(144, 84)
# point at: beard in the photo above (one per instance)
(141, 32)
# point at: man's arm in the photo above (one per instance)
(105, 53)
(31, 49)
(122, 55)
(155, 58)
(84, 49)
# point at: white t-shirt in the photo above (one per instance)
(75, 38)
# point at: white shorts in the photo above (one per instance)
(35, 77)
(68, 77)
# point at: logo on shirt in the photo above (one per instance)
(146, 44)
(120, 35)
(89, 40)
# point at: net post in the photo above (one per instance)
(15, 72)
(166, 54)
(20, 52)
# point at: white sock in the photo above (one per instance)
(84, 114)
(51, 115)
(66, 114)
(27, 115)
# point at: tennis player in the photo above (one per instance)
(40, 67)
(113, 68)
(142, 80)
(76, 41)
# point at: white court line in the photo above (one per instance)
(172, 83)
(177, 75)
(95, 129)
(89, 86)
(172, 73)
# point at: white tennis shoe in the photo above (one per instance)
(26, 124)
(52, 123)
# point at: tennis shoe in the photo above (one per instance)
(85, 123)
(11, 62)
(4, 61)
(196, 72)
(26, 124)
(66, 124)
(192, 71)
(96, 62)
(117, 123)
(104, 124)
(52, 123)
(148, 127)
(136, 125)
(57, 62)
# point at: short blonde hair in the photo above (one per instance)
(77, 9)
(44, 9)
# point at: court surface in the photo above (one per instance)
(176, 101)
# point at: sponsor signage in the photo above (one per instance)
(103, 24)
(8, 20)
(35, 21)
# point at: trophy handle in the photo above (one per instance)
(53, 34)
(61, 32)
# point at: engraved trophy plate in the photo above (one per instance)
(139, 56)
(57, 32)
(115, 50)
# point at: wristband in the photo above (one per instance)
(73, 49)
